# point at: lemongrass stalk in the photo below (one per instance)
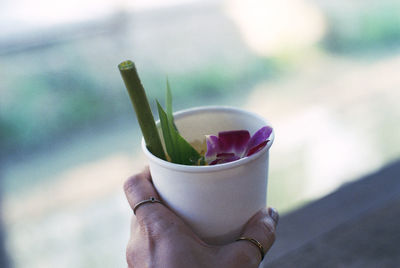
(142, 108)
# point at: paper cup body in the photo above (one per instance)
(215, 201)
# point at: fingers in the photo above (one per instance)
(260, 227)
(152, 217)
(139, 187)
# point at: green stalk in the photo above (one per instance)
(142, 108)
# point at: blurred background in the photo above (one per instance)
(325, 73)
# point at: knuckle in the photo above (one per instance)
(272, 237)
(154, 226)
(131, 183)
(268, 229)
(268, 226)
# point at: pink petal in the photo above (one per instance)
(257, 139)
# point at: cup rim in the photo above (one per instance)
(213, 168)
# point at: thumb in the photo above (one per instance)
(261, 227)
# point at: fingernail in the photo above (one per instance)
(273, 213)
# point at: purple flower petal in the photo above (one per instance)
(213, 147)
(224, 160)
(225, 155)
(233, 145)
(257, 148)
(233, 141)
(258, 138)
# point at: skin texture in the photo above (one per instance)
(159, 238)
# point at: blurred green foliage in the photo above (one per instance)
(55, 91)
(216, 81)
(364, 27)
(42, 105)
(46, 102)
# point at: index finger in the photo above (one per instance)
(139, 187)
(155, 218)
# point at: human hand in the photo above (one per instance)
(159, 238)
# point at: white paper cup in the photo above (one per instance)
(215, 201)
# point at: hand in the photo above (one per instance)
(159, 238)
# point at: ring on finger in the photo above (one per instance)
(254, 242)
(150, 200)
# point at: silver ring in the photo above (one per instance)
(150, 200)
(254, 242)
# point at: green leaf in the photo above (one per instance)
(189, 155)
(168, 104)
(168, 136)
(178, 149)
(168, 99)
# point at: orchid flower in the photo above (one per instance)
(233, 145)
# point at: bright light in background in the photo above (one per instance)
(271, 27)
(47, 12)
(26, 15)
